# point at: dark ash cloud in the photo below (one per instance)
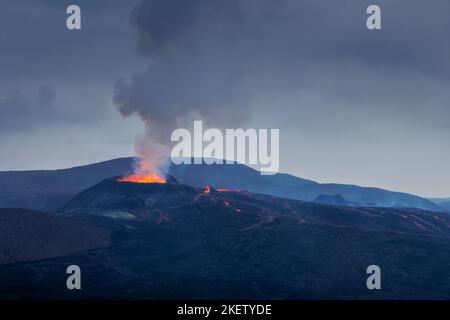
(77, 68)
(186, 79)
(22, 113)
(35, 43)
(211, 59)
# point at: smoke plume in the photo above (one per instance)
(194, 71)
(214, 60)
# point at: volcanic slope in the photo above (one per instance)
(28, 235)
(175, 241)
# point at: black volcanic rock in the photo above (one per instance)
(172, 241)
(30, 235)
(171, 179)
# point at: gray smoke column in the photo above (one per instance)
(305, 63)
(194, 72)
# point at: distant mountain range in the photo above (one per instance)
(50, 189)
(288, 186)
(445, 205)
(442, 202)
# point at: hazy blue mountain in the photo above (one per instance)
(335, 200)
(28, 235)
(49, 189)
(445, 205)
(439, 200)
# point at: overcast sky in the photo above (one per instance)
(353, 106)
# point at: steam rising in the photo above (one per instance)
(194, 71)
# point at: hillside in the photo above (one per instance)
(28, 235)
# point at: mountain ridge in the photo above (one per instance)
(49, 189)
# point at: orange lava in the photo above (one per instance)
(228, 190)
(207, 189)
(143, 178)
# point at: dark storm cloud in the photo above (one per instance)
(351, 97)
(40, 108)
(183, 81)
(286, 32)
(210, 59)
(21, 113)
(36, 43)
(77, 68)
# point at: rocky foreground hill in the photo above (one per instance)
(28, 235)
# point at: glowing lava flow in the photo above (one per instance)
(143, 178)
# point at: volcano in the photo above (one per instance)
(173, 241)
(116, 197)
(49, 190)
(145, 201)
